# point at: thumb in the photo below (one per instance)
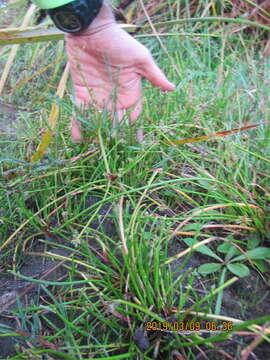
(152, 72)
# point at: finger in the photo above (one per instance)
(140, 135)
(117, 118)
(76, 131)
(81, 104)
(135, 113)
(133, 116)
(118, 115)
(152, 72)
(83, 96)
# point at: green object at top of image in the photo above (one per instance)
(50, 4)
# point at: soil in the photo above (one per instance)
(243, 300)
(248, 298)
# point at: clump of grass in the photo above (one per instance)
(159, 200)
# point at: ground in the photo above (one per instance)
(100, 245)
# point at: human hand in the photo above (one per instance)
(107, 65)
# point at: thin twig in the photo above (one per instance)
(121, 226)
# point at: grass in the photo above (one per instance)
(126, 258)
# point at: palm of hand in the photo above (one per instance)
(106, 68)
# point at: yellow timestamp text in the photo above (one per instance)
(189, 326)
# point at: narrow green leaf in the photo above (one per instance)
(232, 251)
(220, 294)
(192, 226)
(39, 33)
(224, 248)
(209, 268)
(209, 20)
(253, 241)
(240, 270)
(258, 253)
(202, 249)
(12, 160)
(261, 265)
